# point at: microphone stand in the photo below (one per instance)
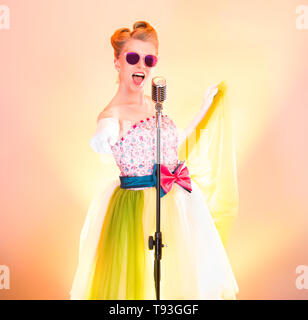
(157, 241)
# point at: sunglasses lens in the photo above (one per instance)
(132, 57)
(150, 60)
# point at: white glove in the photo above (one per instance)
(106, 135)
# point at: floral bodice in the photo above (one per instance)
(135, 151)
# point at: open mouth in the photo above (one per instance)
(138, 77)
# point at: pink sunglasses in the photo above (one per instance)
(133, 58)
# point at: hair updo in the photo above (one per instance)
(142, 30)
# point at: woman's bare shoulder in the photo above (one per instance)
(118, 111)
(110, 111)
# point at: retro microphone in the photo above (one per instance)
(158, 96)
(158, 89)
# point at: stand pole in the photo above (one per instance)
(157, 241)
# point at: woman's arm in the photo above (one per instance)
(207, 101)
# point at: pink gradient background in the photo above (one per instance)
(57, 74)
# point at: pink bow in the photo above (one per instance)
(180, 176)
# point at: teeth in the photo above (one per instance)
(138, 74)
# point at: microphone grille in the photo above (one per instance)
(158, 89)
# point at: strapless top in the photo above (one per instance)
(135, 151)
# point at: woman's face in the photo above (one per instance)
(127, 70)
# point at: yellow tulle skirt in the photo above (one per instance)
(115, 262)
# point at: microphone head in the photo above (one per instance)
(158, 89)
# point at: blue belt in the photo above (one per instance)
(143, 181)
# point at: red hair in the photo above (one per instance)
(142, 30)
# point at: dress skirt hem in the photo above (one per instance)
(115, 262)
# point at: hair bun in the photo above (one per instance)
(140, 24)
(124, 30)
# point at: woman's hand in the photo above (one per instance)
(209, 95)
(207, 101)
